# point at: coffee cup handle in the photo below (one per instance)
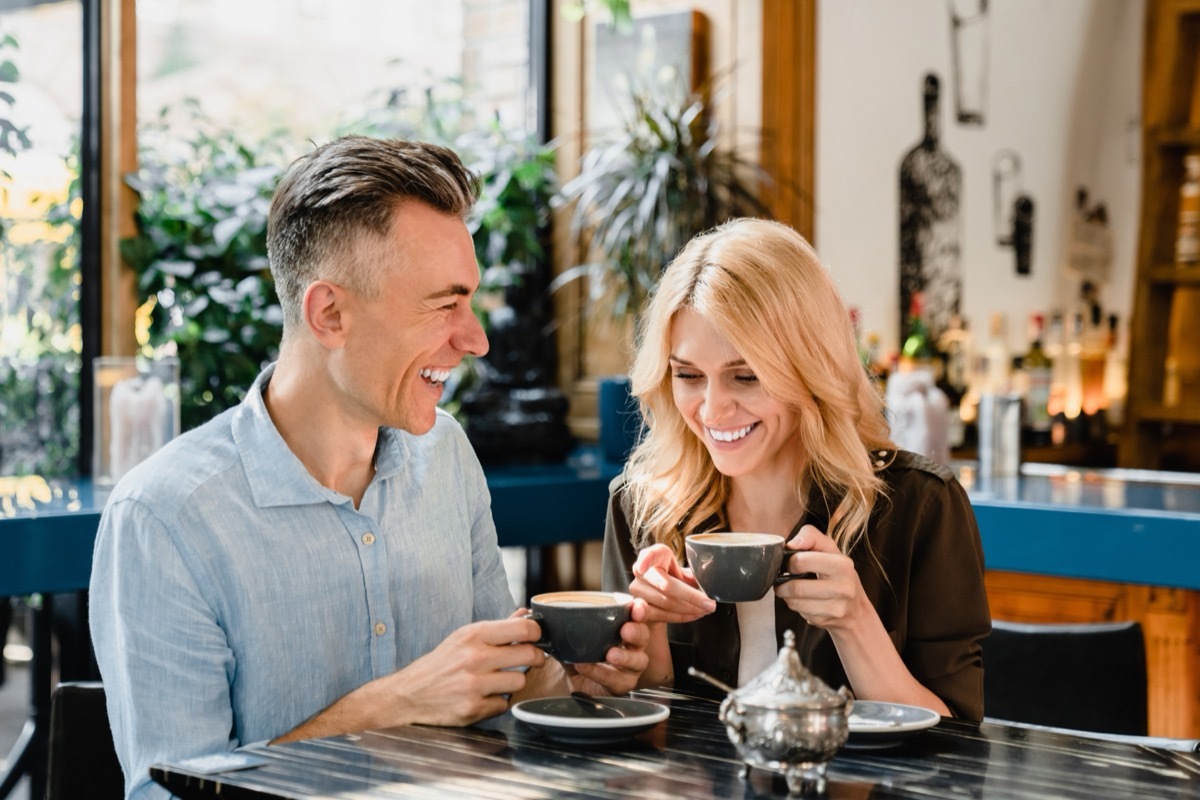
(784, 577)
(542, 643)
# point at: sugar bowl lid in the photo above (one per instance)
(787, 683)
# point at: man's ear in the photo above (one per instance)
(323, 309)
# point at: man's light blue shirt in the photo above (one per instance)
(234, 597)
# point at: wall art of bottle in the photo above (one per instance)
(930, 190)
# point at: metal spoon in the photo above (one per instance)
(595, 708)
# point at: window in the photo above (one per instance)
(40, 209)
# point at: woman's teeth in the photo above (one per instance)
(730, 436)
(435, 375)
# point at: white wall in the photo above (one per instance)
(1064, 91)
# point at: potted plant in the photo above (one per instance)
(644, 191)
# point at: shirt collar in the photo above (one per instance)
(276, 476)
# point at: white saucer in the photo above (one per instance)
(875, 724)
(567, 720)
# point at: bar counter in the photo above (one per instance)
(1131, 526)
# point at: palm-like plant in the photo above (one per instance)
(642, 193)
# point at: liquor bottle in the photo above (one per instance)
(1116, 380)
(954, 350)
(1038, 371)
(1054, 343)
(917, 350)
(1071, 374)
(997, 361)
(930, 188)
(1092, 358)
(1187, 240)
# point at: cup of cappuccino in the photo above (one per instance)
(737, 567)
(579, 627)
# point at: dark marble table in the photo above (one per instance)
(689, 756)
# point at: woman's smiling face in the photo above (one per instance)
(746, 431)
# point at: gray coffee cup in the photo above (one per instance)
(580, 627)
(738, 567)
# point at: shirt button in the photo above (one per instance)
(368, 538)
(380, 629)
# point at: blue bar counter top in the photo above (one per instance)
(1129, 526)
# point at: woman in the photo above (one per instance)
(760, 417)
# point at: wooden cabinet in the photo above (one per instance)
(1170, 620)
(1162, 431)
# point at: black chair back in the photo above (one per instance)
(82, 760)
(1089, 676)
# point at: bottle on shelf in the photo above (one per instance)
(954, 345)
(1092, 358)
(1071, 375)
(1115, 376)
(917, 350)
(954, 351)
(1053, 344)
(997, 370)
(1038, 372)
(1187, 238)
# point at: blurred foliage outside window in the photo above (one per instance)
(40, 206)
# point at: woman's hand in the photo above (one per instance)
(836, 598)
(836, 601)
(670, 591)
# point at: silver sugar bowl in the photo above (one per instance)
(786, 719)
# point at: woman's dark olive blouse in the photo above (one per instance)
(932, 603)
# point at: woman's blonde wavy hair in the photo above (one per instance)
(762, 286)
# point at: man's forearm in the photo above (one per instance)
(350, 714)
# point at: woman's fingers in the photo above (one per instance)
(670, 599)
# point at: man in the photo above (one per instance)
(322, 558)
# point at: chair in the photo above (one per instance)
(82, 759)
(1089, 676)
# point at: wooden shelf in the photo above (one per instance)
(1166, 303)
(1173, 137)
(1182, 414)
(1171, 275)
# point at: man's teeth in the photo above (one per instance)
(435, 375)
(730, 436)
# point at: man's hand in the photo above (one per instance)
(464, 679)
(623, 665)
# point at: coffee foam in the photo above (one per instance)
(581, 599)
(736, 539)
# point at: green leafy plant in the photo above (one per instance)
(39, 376)
(39, 362)
(200, 252)
(12, 139)
(647, 189)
